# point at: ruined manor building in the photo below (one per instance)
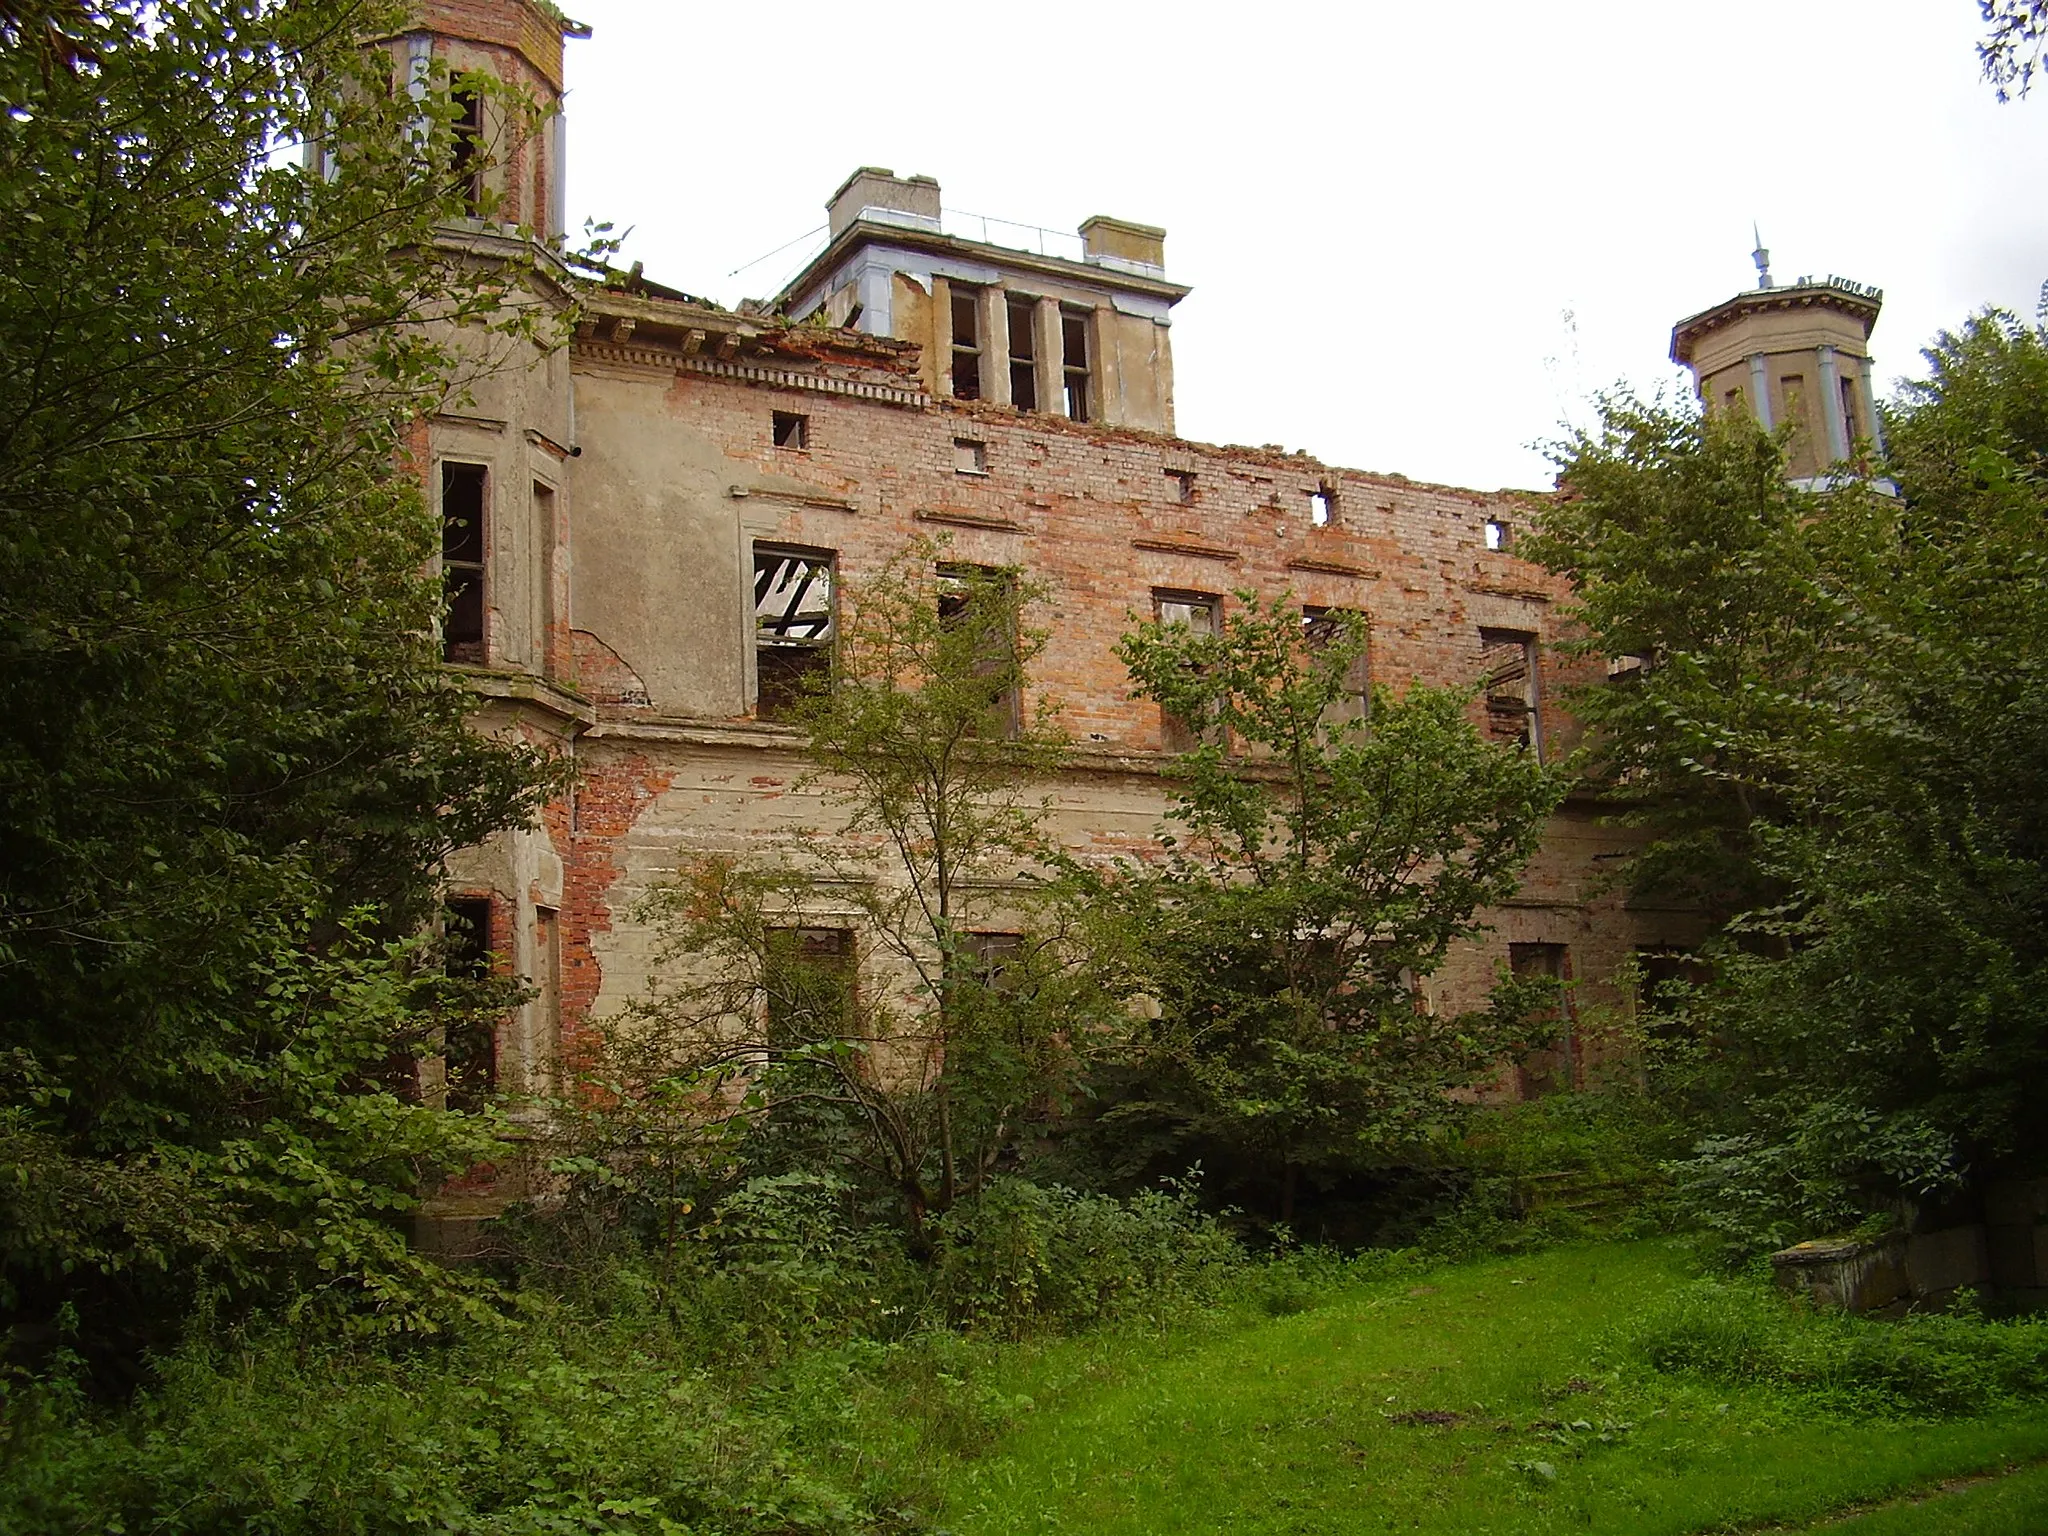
(646, 534)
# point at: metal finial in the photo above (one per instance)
(1761, 257)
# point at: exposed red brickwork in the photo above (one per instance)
(602, 675)
(516, 25)
(609, 796)
(1092, 511)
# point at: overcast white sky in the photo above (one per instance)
(1418, 235)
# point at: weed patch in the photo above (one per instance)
(1738, 1332)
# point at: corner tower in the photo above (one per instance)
(521, 157)
(496, 461)
(1794, 354)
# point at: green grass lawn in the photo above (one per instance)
(2010, 1506)
(1495, 1396)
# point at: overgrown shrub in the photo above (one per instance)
(1617, 1133)
(784, 1259)
(520, 1432)
(1552, 1169)
(1740, 1333)
(1026, 1256)
(701, 1395)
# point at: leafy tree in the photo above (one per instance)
(833, 995)
(224, 732)
(2011, 50)
(1717, 583)
(1862, 721)
(1322, 865)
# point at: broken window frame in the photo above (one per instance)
(964, 305)
(466, 150)
(784, 661)
(955, 582)
(465, 563)
(1183, 481)
(1510, 670)
(1322, 624)
(970, 456)
(1077, 359)
(789, 429)
(1023, 314)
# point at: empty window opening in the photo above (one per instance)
(1792, 390)
(1322, 628)
(969, 456)
(1197, 610)
(1508, 672)
(967, 343)
(1662, 974)
(793, 626)
(465, 157)
(810, 984)
(469, 1046)
(961, 591)
(550, 636)
(462, 562)
(1552, 1066)
(1629, 668)
(791, 430)
(1322, 506)
(1023, 353)
(1074, 364)
(1180, 484)
(545, 1035)
(1496, 533)
(1850, 431)
(996, 959)
(1201, 613)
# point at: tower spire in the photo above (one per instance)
(1761, 257)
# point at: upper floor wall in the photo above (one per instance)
(734, 473)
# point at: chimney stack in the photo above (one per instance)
(886, 198)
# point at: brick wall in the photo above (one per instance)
(1092, 511)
